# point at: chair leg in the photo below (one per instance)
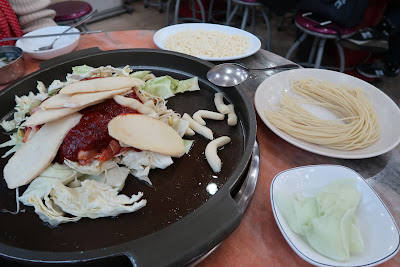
(313, 49)
(320, 53)
(210, 8)
(341, 56)
(253, 19)
(169, 3)
(245, 17)
(203, 13)
(176, 13)
(228, 11)
(235, 9)
(295, 45)
(193, 7)
(268, 44)
(85, 27)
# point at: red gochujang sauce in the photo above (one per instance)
(91, 133)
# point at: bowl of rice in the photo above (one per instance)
(207, 41)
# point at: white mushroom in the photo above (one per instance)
(44, 116)
(101, 85)
(211, 152)
(56, 101)
(36, 155)
(146, 133)
(219, 103)
(232, 118)
(206, 114)
(78, 100)
(198, 128)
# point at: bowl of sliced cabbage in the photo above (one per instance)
(328, 216)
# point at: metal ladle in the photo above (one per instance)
(231, 74)
(49, 47)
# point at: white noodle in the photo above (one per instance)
(357, 125)
(207, 43)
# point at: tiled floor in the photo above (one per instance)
(151, 19)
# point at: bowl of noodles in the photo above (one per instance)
(329, 113)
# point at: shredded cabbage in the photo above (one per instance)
(191, 84)
(61, 172)
(15, 141)
(179, 125)
(142, 162)
(166, 86)
(84, 71)
(115, 177)
(55, 86)
(53, 201)
(93, 168)
(188, 145)
(23, 107)
(80, 70)
(17, 203)
(93, 196)
(94, 200)
(160, 86)
(140, 74)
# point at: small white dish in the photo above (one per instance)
(379, 230)
(270, 91)
(64, 45)
(161, 36)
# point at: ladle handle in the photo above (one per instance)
(286, 66)
(78, 23)
(73, 26)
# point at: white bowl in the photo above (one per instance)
(378, 228)
(64, 45)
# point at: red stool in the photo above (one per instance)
(69, 12)
(321, 32)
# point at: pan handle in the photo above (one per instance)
(73, 55)
(184, 241)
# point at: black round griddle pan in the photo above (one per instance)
(183, 218)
